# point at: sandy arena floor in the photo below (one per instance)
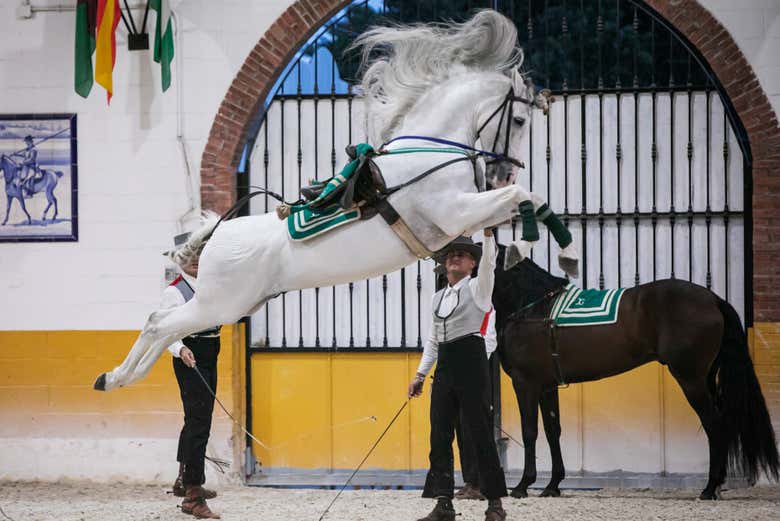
(25, 501)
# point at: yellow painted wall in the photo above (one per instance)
(310, 410)
(46, 390)
(313, 410)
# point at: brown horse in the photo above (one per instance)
(681, 325)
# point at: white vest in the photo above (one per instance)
(464, 320)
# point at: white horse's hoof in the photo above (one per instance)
(100, 383)
(516, 253)
(569, 261)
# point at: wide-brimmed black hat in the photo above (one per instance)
(462, 243)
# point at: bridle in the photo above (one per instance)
(506, 114)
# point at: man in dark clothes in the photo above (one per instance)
(458, 347)
(199, 349)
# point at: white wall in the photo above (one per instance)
(755, 26)
(132, 177)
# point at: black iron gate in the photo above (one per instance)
(641, 154)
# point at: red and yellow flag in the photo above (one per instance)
(105, 44)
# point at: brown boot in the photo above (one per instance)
(179, 490)
(195, 504)
(443, 511)
(469, 491)
(178, 485)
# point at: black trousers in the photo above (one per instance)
(458, 388)
(469, 466)
(198, 406)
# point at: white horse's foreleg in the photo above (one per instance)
(515, 199)
(485, 209)
(488, 209)
(568, 258)
(163, 328)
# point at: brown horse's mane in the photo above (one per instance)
(521, 286)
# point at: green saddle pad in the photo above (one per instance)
(307, 223)
(586, 307)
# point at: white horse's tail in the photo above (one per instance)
(197, 240)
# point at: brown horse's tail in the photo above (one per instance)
(750, 436)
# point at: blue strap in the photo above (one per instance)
(447, 142)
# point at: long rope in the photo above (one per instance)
(406, 402)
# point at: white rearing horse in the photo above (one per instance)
(443, 81)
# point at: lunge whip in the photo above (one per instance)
(366, 457)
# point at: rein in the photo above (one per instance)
(541, 299)
(505, 108)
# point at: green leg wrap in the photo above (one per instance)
(527, 216)
(559, 231)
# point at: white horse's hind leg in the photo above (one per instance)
(108, 381)
(162, 329)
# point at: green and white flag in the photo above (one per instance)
(163, 39)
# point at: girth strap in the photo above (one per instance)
(400, 228)
(556, 357)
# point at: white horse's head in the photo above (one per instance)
(502, 123)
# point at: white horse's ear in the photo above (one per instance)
(518, 81)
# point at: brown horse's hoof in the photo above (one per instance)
(520, 493)
(551, 492)
(710, 495)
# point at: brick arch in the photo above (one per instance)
(291, 30)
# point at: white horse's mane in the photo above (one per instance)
(415, 58)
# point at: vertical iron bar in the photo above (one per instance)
(618, 147)
(689, 152)
(351, 284)
(530, 27)
(636, 147)
(671, 150)
(316, 177)
(726, 198)
(419, 306)
(654, 147)
(747, 202)
(281, 155)
(565, 87)
(299, 159)
(599, 37)
(583, 156)
(548, 151)
(384, 308)
(707, 213)
(403, 307)
(334, 342)
(265, 170)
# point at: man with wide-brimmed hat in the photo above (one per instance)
(199, 349)
(457, 345)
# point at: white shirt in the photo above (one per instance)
(171, 298)
(482, 293)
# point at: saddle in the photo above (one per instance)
(364, 187)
